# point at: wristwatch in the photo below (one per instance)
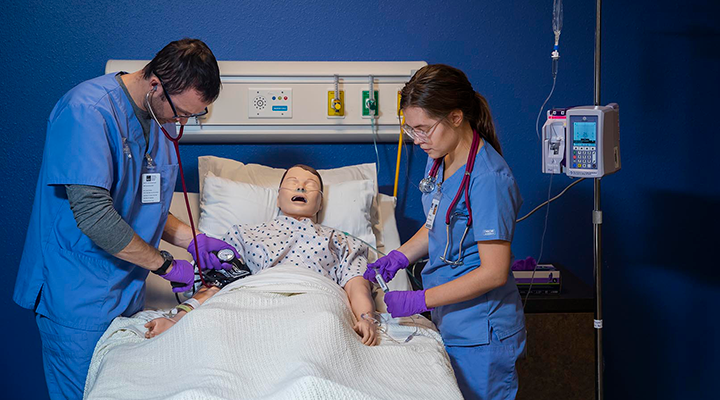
(168, 262)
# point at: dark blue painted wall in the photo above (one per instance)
(661, 64)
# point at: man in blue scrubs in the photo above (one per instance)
(101, 205)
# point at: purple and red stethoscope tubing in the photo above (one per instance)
(465, 183)
(176, 141)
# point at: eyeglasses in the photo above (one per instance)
(418, 135)
(176, 116)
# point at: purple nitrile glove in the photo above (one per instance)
(405, 303)
(388, 266)
(207, 244)
(527, 264)
(182, 272)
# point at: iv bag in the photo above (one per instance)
(557, 16)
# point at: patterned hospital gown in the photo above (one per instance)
(286, 240)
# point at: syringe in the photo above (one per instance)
(381, 281)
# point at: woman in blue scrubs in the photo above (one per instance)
(468, 286)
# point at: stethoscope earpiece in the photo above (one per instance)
(176, 139)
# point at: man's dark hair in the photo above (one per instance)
(186, 64)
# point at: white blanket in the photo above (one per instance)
(285, 333)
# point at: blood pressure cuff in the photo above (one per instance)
(221, 277)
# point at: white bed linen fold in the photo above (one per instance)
(285, 333)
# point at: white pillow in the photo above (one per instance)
(347, 206)
(225, 203)
(265, 176)
(255, 174)
(391, 236)
(392, 240)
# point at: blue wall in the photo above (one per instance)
(661, 64)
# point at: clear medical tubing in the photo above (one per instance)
(557, 27)
(557, 20)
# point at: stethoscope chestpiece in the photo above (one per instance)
(427, 185)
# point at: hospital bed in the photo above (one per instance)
(283, 333)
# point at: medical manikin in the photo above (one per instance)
(339, 257)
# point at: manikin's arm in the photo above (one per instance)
(361, 302)
(160, 325)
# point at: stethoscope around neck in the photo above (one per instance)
(176, 141)
(429, 184)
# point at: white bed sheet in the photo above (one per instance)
(285, 333)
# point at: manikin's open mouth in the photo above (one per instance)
(299, 198)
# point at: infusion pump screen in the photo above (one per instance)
(584, 133)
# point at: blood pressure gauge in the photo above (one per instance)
(225, 255)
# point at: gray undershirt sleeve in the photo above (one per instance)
(94, 214)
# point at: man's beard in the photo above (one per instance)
(157, 105)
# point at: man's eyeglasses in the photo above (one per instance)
(175, 114)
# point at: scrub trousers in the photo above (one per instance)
(487, 372)
(66, 357)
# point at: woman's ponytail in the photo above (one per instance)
(483, 123)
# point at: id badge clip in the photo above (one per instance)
(430, 221)
(151, 183)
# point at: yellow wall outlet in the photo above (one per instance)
(336, 109)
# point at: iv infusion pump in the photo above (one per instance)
(582, 141)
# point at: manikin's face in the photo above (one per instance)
(299, 195)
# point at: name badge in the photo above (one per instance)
(150, 188)
(430, 221)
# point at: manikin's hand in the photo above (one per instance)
(367, 331)
(158, 326)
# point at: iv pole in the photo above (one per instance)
(597, 226)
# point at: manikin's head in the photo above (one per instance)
(301, 192)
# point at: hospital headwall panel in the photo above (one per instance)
(291, 101)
